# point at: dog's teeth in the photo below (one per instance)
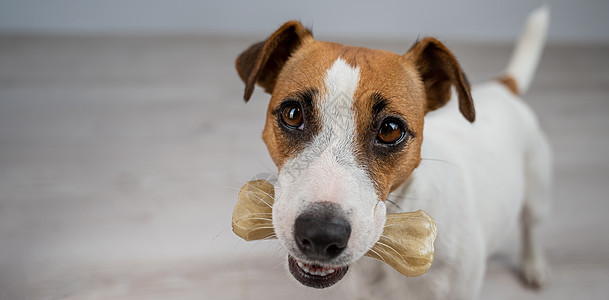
(315, 270)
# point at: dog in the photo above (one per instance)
(357, 133)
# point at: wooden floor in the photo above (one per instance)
(120, 160)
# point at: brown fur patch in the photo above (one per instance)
(262, 62)
(510, 83)
(306, 68)
(439, 70)
(387, 74)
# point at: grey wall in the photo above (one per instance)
(573, 21)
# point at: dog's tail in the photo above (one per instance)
(525, 58)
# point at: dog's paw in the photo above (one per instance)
(534, 271)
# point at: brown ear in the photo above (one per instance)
(440, 70)
(262, 62)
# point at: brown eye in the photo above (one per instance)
(390, 132)
(291, 115)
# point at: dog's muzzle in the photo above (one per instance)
(321, 234)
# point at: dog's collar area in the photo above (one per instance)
(315, 276)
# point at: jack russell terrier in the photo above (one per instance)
(351, 129)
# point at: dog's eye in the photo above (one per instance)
(390, 132)
(291, 115)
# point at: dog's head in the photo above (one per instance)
(344, 126)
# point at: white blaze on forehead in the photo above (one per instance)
(336, 108)
(335, 144)
(341, 78)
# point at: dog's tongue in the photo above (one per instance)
(406, 243)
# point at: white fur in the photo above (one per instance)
(328, 171)
(476, 180)
(528, 50)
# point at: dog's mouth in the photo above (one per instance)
(315, 276)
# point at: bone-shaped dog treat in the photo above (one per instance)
(252, 215)
(406, 243)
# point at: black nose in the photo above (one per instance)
(322, 232)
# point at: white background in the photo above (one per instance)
(469, 20)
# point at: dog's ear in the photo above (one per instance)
(440, 70)
(262, 62)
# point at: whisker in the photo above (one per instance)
(400, 198)
(259, 198)
(394, 204)
(217, 235)
(264, 192)
(264, 176)
(270, 196)
(250, 192)
(258, 228)
(440, 160)
(231, 187)
(377, 254)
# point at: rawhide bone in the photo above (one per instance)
(406, 243)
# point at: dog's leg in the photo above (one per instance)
(533, 266)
